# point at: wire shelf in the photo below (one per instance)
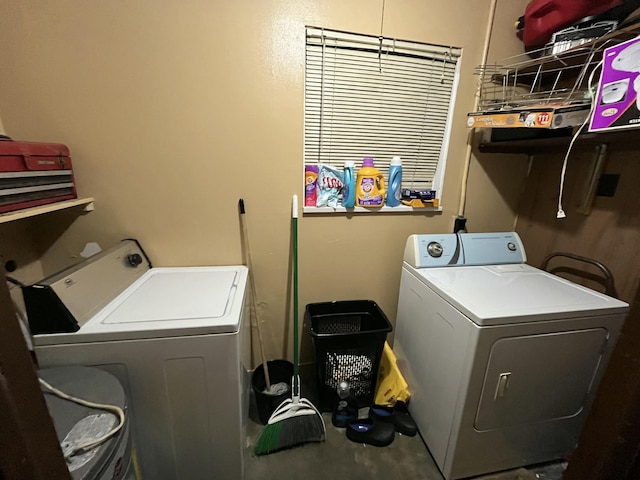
(545, 77)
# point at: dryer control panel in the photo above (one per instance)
(451, 249)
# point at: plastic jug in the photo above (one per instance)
(349, 185)
(394, 190)
(370, 189)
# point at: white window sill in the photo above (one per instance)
(385, 209)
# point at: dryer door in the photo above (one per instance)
(538, 378)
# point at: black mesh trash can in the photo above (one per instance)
(348, 337)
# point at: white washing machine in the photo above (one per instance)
(502, 359)
(178, 339)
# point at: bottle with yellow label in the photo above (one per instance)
(370, 189)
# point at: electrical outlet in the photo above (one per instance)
(607, 185)
(459, 224)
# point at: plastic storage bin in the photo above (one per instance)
(349, 337)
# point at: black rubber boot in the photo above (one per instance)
(367, 430)
(398, 416)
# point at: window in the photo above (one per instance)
(368, 96)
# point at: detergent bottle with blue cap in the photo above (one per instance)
(369, 185)
(394, 188)
(349, 185)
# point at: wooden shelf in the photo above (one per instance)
(372, 211)
(619, 140)
(87, 203)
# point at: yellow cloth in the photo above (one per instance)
(391, 384)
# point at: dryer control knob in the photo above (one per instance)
(434, 249)
(511, 246)
(134, 259)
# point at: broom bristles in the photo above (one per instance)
(296, 420)
(290, 432)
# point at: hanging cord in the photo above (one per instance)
(561, 213)
(321, 97)
(380, 39)
(84, 447)
(447, 56)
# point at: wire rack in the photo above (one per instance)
(545, 77)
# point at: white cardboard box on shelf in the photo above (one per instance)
(618, 98)
(542, 116)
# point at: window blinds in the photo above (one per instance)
(378, 97)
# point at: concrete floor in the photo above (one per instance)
(338, 457)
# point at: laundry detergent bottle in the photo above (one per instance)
(349, 185)
(310, 185)
(394, 188)
(369, 185)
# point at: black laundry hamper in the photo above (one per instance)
(349, 338)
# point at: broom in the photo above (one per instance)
(296, 420)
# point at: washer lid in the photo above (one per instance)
(502, 294)
(176, 295)
(175, 301)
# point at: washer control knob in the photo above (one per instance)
(511, 246)
(434, 249)
(134, 259)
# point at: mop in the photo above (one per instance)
(296, 420)
(279, 388)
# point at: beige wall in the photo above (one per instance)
(175, 109)
(610, 234)
(497, 181)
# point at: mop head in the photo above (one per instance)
(293, 423)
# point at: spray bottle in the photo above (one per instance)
(346, 408)
(369, 185)
(349, 182)
(394, 193)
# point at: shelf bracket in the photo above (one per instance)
(599, 160)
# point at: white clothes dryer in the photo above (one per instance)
(502, 359)
(178, 339)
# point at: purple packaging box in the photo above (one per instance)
(617, 100)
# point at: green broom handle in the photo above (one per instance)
(296, 386)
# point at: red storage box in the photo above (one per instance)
(542, 18)
(33, 174)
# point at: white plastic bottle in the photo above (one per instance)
(394, 190)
